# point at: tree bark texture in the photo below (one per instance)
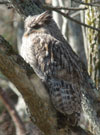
(93, 37)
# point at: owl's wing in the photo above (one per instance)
(52, 62)
(65, 96)
(52, 58)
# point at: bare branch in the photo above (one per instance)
(72, 19)
(96, 2)
(10, 107)
(27, 7)
(64, 8)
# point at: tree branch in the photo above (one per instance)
(10, 107)
(27, 7)
(69, 17)
(63, 8)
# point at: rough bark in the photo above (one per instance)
(27, 7)
(93, 42)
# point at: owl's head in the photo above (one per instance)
(37, 23)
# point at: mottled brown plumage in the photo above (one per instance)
(53, 60)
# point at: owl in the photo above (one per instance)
(55, 63)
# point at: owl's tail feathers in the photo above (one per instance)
(71, 123)
(70, 120)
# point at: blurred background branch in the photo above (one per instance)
(20, 128)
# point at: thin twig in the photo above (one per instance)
(96, 2)
(83, 24)
(76, 21)
(64, 8)
(88, 4)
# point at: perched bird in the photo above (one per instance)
(54, 61)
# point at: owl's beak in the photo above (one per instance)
(29, 31)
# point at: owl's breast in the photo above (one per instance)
(33, 51)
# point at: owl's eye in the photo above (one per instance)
(37, 26)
